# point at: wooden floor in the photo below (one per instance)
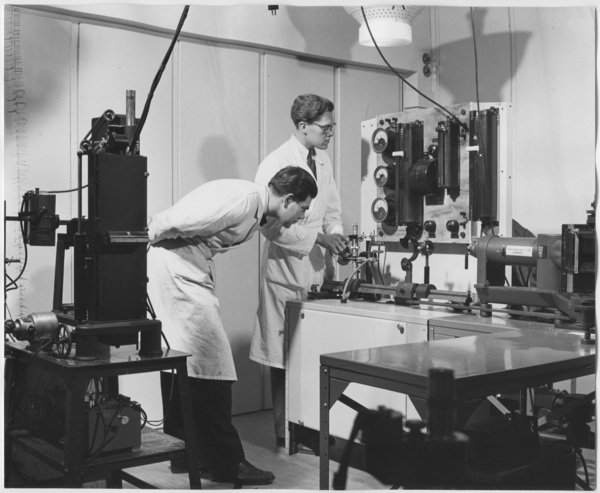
(299, 471)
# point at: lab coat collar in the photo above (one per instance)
(300, 146)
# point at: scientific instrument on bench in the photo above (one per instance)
(43, 331)
(109, 245)
(433, 185)
(564, 268)
(108, 240)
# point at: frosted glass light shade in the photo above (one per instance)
(390, 24)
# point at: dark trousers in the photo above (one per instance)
(218, 441)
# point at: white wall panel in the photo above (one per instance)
(38, 151)
(218, 114)
(555, 118)
(218, 122)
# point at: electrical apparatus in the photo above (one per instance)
(434, 184)
(429, 173)
(71, 404)
(43, 332)
(114, 425)
(109, 245)
(113, 421)
(564, 268)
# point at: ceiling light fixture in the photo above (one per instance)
(390, 24)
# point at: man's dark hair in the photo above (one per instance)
(308, 108)
(294, 180)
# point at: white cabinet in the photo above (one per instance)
(328, 326)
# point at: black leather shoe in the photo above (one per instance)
(241, 473)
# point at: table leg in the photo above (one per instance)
(324, 430)
(526, 402)
(76, 431)
(191, 445)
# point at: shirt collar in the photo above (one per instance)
(300, 146)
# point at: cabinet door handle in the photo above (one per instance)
(400, 327)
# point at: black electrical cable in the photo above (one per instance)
(13, 282)
(444, 109)
(138, 129)
(76, 189)
(150, 307)
(476, 60)
(107, 429)
(585, 468)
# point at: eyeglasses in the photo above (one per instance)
(326, 128)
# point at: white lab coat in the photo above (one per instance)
(215, 217)
(291, 261)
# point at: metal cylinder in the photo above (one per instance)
(507, 251)
(130, 108)
(41, 325)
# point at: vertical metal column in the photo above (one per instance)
(324, 430)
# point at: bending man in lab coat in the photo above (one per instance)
(294, 259)
(215, 217)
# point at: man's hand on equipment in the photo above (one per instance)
(335, 243)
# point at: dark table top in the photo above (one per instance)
(119, 359)
(482, 364)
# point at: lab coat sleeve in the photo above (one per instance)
(296, 238)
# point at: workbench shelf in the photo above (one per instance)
(69, 457)
(155, 447)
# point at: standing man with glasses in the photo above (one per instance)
(296, 258)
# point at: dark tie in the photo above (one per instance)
(310, 160)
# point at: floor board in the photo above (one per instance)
(299, 471)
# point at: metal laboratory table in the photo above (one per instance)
(483, 365)
(71, 458)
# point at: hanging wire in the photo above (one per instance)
(444, 109)
(66, 191)
(138, 129)
(12, 285)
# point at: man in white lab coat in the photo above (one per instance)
(215, 217)
(294, 259)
